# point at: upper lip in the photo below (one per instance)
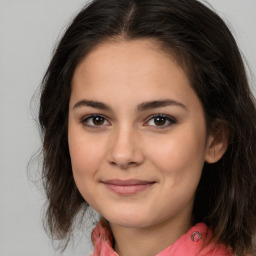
(128, 182)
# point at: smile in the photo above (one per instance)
(127, 187)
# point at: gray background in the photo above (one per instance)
(29, 30)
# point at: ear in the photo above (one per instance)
(217, 141)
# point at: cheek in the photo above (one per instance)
(86, 154)
(86, 158)
(179, 154)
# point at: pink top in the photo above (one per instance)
(190, 244)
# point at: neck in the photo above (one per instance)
(147, 241)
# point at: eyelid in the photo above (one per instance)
(171, 119)
(84, 120)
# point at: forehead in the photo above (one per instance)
(113, 57)
(127, 69)
(134, 53)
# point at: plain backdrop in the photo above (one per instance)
(29, 30)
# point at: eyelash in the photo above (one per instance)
(167, 118)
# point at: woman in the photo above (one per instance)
(147, 117)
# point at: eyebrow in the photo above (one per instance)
(158, 104)
(140, 108)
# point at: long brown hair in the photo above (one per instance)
(203, 45)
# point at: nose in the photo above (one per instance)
(125, 150)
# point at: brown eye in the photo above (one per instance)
(98, 120)
(95, 121)
(161, 121)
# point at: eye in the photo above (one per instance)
(161, 121)
(94, 121)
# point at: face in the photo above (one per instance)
(137, 134)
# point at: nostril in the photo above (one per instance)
(123, 152)
(124, 165)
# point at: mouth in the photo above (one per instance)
(127, 187)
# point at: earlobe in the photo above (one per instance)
(217, 143)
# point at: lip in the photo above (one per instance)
(127, 187)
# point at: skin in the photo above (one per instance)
(127, 143)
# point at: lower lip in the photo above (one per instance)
(128, 189)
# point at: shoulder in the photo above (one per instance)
(198, 241)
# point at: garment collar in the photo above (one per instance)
(197, 241)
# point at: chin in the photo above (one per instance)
(128, 219)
